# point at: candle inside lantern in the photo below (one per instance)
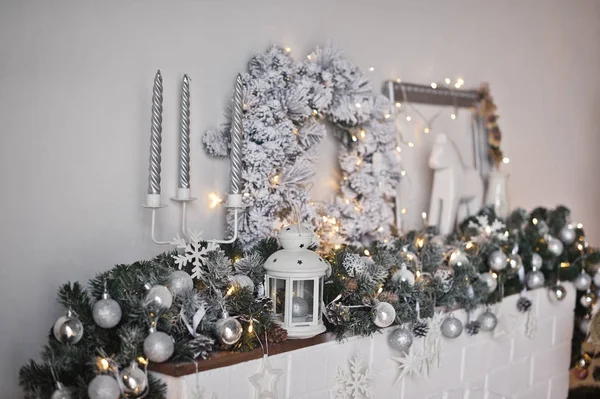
(236, 138)
(183, 191)
(155, 142)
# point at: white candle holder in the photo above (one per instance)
(234, 201)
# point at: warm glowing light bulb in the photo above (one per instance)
(103, 364)
(426, 130)
(452, 116)
(506, 160)
(398, 148)
(358, 162)
(580, 247)
(398, 105)
(371, 69)
(354, 138)
(142, 360)
(565, 264)
(309, 57)
(275, 179)
(447, 81)
(380, 229)
(387, 116)
(324, 219)
(534, 221)
(420, 243)
(434, 85)
(424, 215)
(580, 225)
(380, 290)
(408, 118)
(214, 200)
(398, 80)
(403, 172)
(288, 50)
(494, 275)
(251, 326)
(358, 105)
(367, 253)
(230, 290)
(411, 144)
(362, 133)
(403, 211)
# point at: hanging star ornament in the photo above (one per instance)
(506, 323)
(409, 364)
(265, 380)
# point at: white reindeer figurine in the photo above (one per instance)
(457, 189)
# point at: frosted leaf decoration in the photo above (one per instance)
(354, 384)
(194, 252)
(354, 264)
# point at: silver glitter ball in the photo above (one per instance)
(497, 260)
(158, 346)
(243, 281)
(557, 293)
(555, 246)
(535, 279)
(229, 330)
(61, 393)
(180, 282)
(487, 321)
(514, 263)
(159, 296)
(401, 339)
(587, 299)
(583, 281)
(104, 387)
(134, 381)
(536, 261)
(299, 307)
(106, 312)
(384, 314)
(68, 329)
(490, 281)
(567, 234)
(452, 327)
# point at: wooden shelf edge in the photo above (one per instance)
(224, 359)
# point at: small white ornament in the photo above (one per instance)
(490, 281)
(555, 245)
(497, 260)
(535, 279)
(486, 231)
(106, 312)
(384, 314)
(158, 346)
(404, 275)
(193, 252)
(180, 282)
(355, 384)
(159, 296)
(265, 380)
(104, 387)
(583, 281)
(567, 234)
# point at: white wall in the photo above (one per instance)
(75, 83)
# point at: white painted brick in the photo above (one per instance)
(298, 372)
(539, 391)
(478, 359)
(316, 369)
(563, 328)
(547, 308)
(447, 377)
(553, 363)
(510, 379)
(559, 386)
(324, 394)
(542, 341)
(383, 385)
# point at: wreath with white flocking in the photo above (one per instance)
(285, 105)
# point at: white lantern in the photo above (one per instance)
(294, 281)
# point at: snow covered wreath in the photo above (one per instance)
(286, 105)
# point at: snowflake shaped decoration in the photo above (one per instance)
(193, 252)
(355, 384)
(409, 364)
(487, 231)
(353, 264)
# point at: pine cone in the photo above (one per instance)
(336, 314)
(265, 302)
(351, 285)
(473, 327)
(389, 297)
(200, 346)
(523, 304)
(277, 334)
(420, 329)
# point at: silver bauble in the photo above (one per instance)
(583, 281)
(557, 293)
(487, 321)
(403, 275)
(106, 312)
(597, 279)
(555, 246)
(229, 330)
(243, 281)
(68, 329)
(384, 314)
(587, 299)
(134, 381)
(567, 235)
(535, 279)
(445, 276)
(584, 326)
(61, 393)
(497, 260)
(299, 307)
(536, 261)
(104, 387)
(158, 346)
(180, 282)
(458, 259)
(159, 296)
(401, 339)
(452, 327)
(490, 281)
(514, 263)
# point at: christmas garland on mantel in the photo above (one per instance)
(414, 273)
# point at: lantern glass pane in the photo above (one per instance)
(303, 292)
(320, 294)
(277, 294)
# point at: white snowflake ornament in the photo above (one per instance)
(354, 264)
(487, 231)
(355, 384)
(193, 252)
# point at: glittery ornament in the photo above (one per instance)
(451, 327)
(180, 282)
(104, 387)
(61, 392)
(497, 260)
(567, 234)
(473, 327)
(384, 314)
(445, 276)
(400, 339)
(159, 296)
(403, 275)
(228, 330)
(555, 245)
(299, 307)
(134, 381)
(524, 304)
(535, 279)
(557, 293)
(583, 281)
(106, 312)
(514, 263)
(420, 329)
(587, 299)
(536, 261)
(488, 321)
(68, 329)
(158, 346)
(490, 281)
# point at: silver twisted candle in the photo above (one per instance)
(156, 135)
(184, 145)
(236, 138)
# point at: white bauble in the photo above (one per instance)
(497, 260)
(104, 387)
(384, 314)
(404, 275)
(180, 282)
(583, 281)
(567, 234)
(490, 281)
(158, 346)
